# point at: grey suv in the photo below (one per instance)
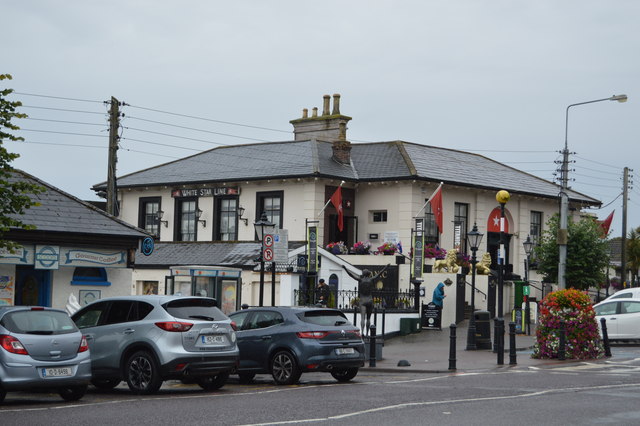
(41, 348)
(148, 339)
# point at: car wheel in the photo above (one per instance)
(345, 374)
(245, 378)
(211, 383)
(284, 368)
(143, 376)
(72, 393)
(105, 384)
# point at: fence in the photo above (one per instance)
(347, 300)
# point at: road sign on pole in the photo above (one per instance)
(268, 254)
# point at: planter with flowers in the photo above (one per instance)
(573, 307)
(337, 248)
(388, 249)
(432, 252)
(361, 247)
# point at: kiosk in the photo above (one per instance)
(223, 284)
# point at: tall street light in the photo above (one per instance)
(502, 197)
(564, 196)
(263, 227)
(473, 238)
(528, 249)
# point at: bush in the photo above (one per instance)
(582, 337)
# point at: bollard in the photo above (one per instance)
(355, 316)
(384, 317)
(563, 339)
(372, 345)
(500, 340)
(452, 347)
(605, 338)
(512, 344)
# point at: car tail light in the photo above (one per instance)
(234, 326)
(84, 346)
(357, 333)
(13, 345)
(37, 308)
(312, 334)
(174, 326)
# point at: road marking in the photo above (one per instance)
(449, 401)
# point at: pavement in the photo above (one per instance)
(428, 351)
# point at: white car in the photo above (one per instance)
(630, 293)
(622, 318)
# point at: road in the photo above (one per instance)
(603, 392)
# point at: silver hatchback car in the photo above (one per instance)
(41, 348)
(148, 339)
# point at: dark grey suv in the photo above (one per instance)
(148, 339)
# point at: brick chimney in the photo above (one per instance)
(330, 126)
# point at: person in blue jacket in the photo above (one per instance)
(438, 295)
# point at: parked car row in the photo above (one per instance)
(145, 340)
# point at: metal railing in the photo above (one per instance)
(347, 300)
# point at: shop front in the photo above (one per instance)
(221, 283)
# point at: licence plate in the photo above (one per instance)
(345, 351)
(57, 372)
(212, 340)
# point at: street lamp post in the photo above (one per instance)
(564, 196)
(473, 238)
(263, 227)
(502, 197)
(528, 249)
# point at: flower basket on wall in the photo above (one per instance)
(337, 248)
(361, 247)
(388, 249)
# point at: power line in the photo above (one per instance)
(62, 109)
(208, 119)
(596, 177)
(64, 133)
(29, 142)
(57, 97)
(160, 144)
(600, 171)
(193, 139)
(597, 162)
(66, 122)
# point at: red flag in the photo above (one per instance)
(336, 200)
(436, 206)
(606, 224)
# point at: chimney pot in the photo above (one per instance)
(314, 112)
(305, 113)
(336, 104)
(327, 101)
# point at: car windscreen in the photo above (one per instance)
(195, 308)
(323, 317)
(38, 322)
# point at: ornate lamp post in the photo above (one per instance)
(473, 238)
(528, 249)
(502, 197)
(263, 227)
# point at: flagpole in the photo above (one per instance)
(329, 200)
(430, 198)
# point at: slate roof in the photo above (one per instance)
(62, 212)
(378, 161)
(241, 254)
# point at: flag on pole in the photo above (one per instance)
(606, 224)
(436, 206)
(336, 200)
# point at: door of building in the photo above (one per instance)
(33, 286)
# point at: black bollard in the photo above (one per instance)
(500, 340)
(512, 344)
(372, 345)
(452, 347)
(563, 342)
(605, 338)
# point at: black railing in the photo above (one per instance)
(347, 300)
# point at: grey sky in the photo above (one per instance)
(493, 77)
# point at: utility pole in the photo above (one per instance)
(114, 125)
(623, 249)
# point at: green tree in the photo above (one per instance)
(587, 253)
(14, 195)
(633, 253)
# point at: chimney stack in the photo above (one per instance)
(331, 126)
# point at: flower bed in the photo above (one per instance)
(582, 337)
